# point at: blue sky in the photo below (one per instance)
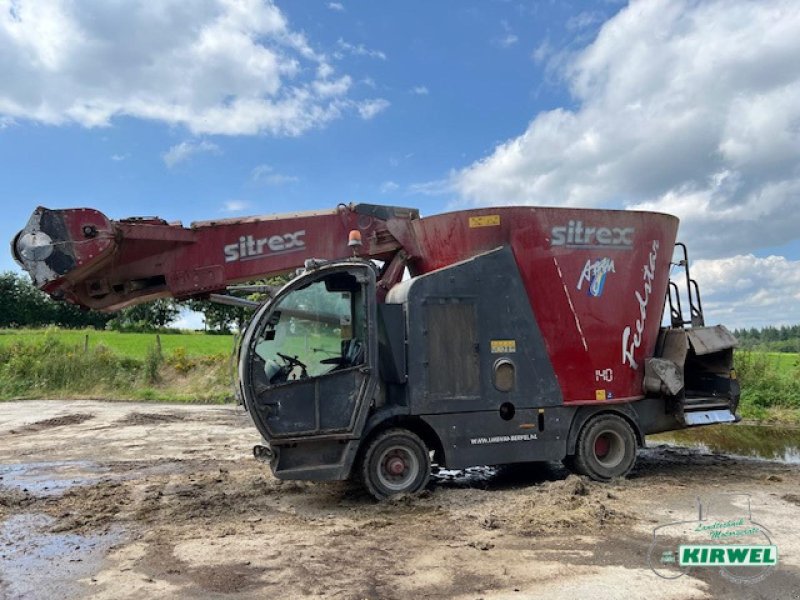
(452, 98)
(245, 107)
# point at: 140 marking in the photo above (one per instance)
(606, 375)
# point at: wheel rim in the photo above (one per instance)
(609, 448)
(398, 468)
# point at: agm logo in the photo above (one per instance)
(575, 235)
(250, 248)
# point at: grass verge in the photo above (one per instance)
(47, 366)
(770, 384)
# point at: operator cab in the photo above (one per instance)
(306, 356)
(313, 330)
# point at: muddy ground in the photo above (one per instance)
(122, 500)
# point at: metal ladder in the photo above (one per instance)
(696, 318)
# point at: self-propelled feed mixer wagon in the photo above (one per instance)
(478, 337)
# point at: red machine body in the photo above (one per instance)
(596, 279)
(597, 338)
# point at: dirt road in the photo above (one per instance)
(113, 500)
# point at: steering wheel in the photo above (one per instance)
(293, 361)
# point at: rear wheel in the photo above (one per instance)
(395, 462)
(606, 448)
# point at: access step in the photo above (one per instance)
(709, 417)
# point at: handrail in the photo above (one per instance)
(696, 317)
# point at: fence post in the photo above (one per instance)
(86, 344)
(158, 343)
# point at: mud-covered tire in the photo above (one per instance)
(396, 462)
(606, 448)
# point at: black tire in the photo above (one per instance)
(606, 448)
(396, 462)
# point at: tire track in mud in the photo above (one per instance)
(44, 424)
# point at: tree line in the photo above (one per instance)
(22, 304)
(776, 339)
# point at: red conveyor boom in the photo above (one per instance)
(81, 256)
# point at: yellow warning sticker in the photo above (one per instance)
(503, 346)
(599, 394)
(484, 221)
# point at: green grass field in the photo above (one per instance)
(130, 345)
(785, 362)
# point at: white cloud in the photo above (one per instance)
(337, 6)
(419, 90)
(508, 39)
(183, 151)
(119, 157)
(190, 320)
(235, 205)
(327, 88)
(388, 187)
(542, 52)
(747, 291)
(357, 50)
(369, 108)
(214, 66)
(584, 20)
(682, 106)
(437, 187)
(266, 174)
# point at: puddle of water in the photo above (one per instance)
(767, 442)
(37, 564)
(50, 478)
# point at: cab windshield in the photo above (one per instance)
(314, 330)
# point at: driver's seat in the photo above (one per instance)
(352, 352)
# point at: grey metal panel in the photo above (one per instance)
(662, 375)
(706, 340)
(484, 438)
(323, 404)
(673, 345)
(453, 362)
(314, 460)
(655, 415)
(491, 282)
(392, 343)
(386, 212)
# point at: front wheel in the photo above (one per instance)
(396, 462)
(606, 448)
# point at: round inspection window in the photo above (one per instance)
(504, 375)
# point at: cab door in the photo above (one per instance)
(308, 358)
